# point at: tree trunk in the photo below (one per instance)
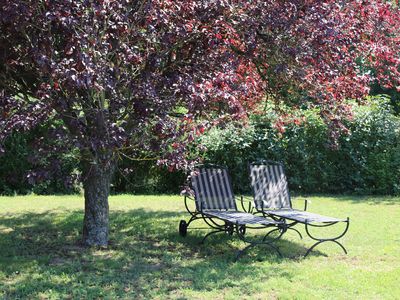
(96, 183)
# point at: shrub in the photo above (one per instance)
(14, 166)
(24, 169)
(367, 160)
(145, 177)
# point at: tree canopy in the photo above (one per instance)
(115, 72)
(128, 77)
(322, 53)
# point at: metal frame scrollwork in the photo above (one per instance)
(252, 243)
(194, 215)
(323, 240)
(249, 208)
(307, 225)
(231, 228)
(290, 223)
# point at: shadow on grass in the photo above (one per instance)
(40, 253)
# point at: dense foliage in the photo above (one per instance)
(144, 78)
(115, 72)
(114, 75)
(366, 161)
(320, 53)
(24, 169)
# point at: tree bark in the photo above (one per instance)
(96, 183)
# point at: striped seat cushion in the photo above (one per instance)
(240, 218)
(212, 189)
(270, 187)
(302, 216)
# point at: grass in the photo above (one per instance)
(40, 256)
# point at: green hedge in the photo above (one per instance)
(145, 177)
(366, 162)
(14, 165)
(24, 169)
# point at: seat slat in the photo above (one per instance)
(302, 216)
(240, 218)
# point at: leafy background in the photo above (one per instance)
(366, 161)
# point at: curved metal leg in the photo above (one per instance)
(288, 225)
(240, 252)
(282, 230)
(312, 247)
(323, 241)
(341, 246)
(210, 233)
(183, 225)
(192, 218)
(192, 213)
(320, 240)
(255, 243)
(276, 229)
(229, 228)
(298, 232)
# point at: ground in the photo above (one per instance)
(40, 256)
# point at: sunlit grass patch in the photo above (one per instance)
(40, 254)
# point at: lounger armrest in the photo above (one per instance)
(306, 202)
(186, 193)
(249, 200)
(246, 198)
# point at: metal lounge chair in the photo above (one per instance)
(215, 204)
(271, 197)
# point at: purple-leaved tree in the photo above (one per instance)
(146, 76)
(121, 77)
(313, 53)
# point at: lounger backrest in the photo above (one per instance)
(270, 187)
(212, 188)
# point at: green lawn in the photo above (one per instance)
(40, 256)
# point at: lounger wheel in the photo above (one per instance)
(183, 228)
(229, 229)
